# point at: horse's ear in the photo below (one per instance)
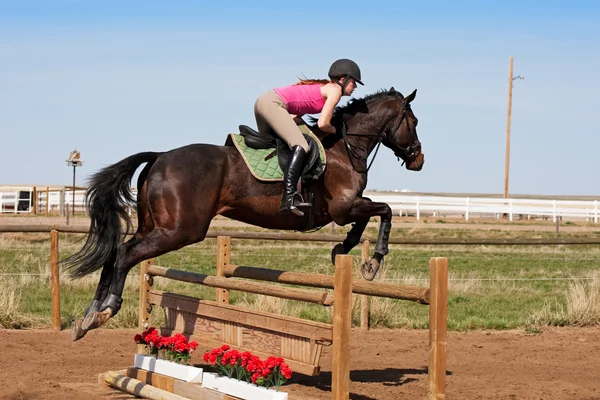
(411, 96)
(394, 92)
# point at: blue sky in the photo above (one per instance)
(114, 78)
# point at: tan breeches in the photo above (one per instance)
(272, 115)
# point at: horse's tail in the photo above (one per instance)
(107, 198)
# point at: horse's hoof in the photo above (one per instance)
(96, 319)
(338, 249)
(369, 269)
(77, 331)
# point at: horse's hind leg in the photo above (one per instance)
(77, 331)
(145, 225)
(156, 243)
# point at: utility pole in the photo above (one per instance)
(507, 159)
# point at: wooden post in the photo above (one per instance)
(73, 190)
(342, 324)
(438, 320)
(507, 156)
(223, 259)
(146, 282)
(54, 280)
(364, 299)
(144, 315)
(34, 200)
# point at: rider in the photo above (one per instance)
(280, 109)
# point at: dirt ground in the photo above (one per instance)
(560, 363)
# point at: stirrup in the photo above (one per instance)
(294, 203)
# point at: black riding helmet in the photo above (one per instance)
(344, 68)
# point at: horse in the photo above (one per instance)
(180, 191)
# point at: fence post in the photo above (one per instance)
(342, 325)
(144, 315)
(35, 200)
(54, 280)
(418, 210)
(467, 211)
(364, 299)
(438, 320)
(146, 282)
(223, 259)
(595, 211)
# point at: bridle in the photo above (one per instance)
(411, 152)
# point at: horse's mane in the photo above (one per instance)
(355, 105)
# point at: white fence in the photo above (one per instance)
(469, 207)
(20, 199)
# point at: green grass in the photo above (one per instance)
(491, 287)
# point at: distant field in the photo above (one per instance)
(497, 287)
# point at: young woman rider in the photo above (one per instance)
(277, 110)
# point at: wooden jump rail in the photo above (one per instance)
(418, 294)
(323, 298)
(299, 341)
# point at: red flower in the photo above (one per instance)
(271, 372)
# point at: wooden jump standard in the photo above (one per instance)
(297, 340)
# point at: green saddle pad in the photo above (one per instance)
(268, 170)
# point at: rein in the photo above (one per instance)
(351, 149)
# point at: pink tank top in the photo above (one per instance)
(302, 99)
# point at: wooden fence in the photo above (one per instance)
(54, 231)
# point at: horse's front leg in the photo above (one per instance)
(352, 239)
(361, 211)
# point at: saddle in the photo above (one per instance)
(314, 162)
(266, 156)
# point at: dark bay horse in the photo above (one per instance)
(182, 190)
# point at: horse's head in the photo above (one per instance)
(401, 131)
(384, 118)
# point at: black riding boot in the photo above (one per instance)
(291, 199)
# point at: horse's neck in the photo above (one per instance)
(365, 134)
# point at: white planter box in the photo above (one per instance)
(241, 389)
(186, 373)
